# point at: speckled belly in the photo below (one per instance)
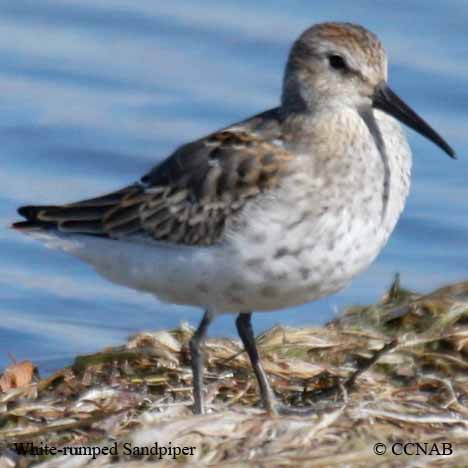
(294, 268)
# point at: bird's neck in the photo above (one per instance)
(326, 125)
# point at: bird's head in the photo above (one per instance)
(335, 65)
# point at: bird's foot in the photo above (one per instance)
(320, 402)
(285, 410)
(325, 398)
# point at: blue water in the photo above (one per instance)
(92, 94)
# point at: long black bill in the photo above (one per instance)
(385, 99)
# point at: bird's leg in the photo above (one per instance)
(269, 401)
(196, 354)
(244, 327)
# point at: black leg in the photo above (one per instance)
(196, 353)
(244, 327)
(269, 402)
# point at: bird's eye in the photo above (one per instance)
(337, 62)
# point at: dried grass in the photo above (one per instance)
(141, 393)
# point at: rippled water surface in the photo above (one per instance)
(92, 94)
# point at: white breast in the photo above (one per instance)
(320, 230)
(307, 239)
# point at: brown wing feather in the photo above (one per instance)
(189, 198)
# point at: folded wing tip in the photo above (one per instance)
(25, 226)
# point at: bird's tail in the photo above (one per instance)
(84, 217)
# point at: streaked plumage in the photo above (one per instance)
(277, 210)
(190, 198)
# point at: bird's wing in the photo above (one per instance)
(189, 198)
